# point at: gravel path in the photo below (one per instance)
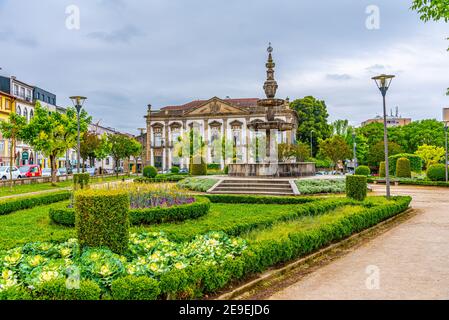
(410, 261)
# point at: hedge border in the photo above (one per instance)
(199, 208)
(427, 183)
(174, 178)
(28, 202)
(249, 199)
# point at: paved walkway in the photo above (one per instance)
(411, 260)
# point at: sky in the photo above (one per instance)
(129, 53)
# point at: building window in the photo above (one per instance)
(176, 133)
(28, 95)
(22, 92)
(19, 111)
(158, 141)
(16, 90)
(31, 114)
(38, 96)
(2, 146)
(7, 104)
(237, 135)
(107, 161)
(25, 113)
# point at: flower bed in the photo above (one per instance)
(28, 270)
(197, 208)
(318, 186)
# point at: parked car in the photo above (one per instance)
(30, 171)
(64, 171)
(46, 172)
(91, 171)
(185, 170)
(5, 173)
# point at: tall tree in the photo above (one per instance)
(313, 118)
(89, 146)
(103, 150)
(53, 133)
(430, 154)
(135, 150)
(13, 130)
(119, 149)
(376, 153)
(417, 133)
(341, 128)
(336, 149)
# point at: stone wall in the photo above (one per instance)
(300, 169)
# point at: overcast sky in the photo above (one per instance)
(128, 53)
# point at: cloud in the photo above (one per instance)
(20, 40)
(122, 35)
(343, 76)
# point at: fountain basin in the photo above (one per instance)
(298, 169)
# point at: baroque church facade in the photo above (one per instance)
(216, 119)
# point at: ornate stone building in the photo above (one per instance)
(235, 120)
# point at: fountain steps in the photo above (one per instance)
(256, 187)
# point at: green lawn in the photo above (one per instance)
(26, 188)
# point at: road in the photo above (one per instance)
(410, 261)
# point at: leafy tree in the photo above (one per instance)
(373, 132)
(376, 153)
(417, 133)
(362, 147)
(53, 133)
(285, 151)
(135, 150)
(313, 116)
(119, 149)
(335, 149)
(301, 151)
(431, 154)
(341, 128)
(13, 130)
(88, 147)
(103, 150)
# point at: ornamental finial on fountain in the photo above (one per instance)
(270, 85)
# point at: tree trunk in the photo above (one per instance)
(11, 160)
(116, 167)
(53, 170)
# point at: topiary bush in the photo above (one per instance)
(382, 172)
(226, 170)
(58, 290)
(102, 219)
(63, 216)
(198, 169)
(149, 172)
(363, 171)
(403, 169)
(437, 172)
(416, 162)
(356, 187)
(81, 180)
(135, 288)
(175, 170)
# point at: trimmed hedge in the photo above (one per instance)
(171, 214)
(175, 170)
(149, 172)
(363, 171)
(58, 290)
(198, 169)
(15, 204)
(382, 170)
(194, 282)
(135, 288)
(101, 219)
(247, 199)
(81, 180)
(416, 162)
(214, 166)
(403, 169)
(356, 187)
(437, 172)
(180, 213)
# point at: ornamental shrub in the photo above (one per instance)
(149, 172)
(102, 219)
(403, 169)
(197, 169)
(58, 290)
(15, 204)
(363, 171)
(175, 170)
(81, 180)
(356, 187)
(226, 170)
(135, 288)
(382, 172)
(15, 294)
(437, 172)
(63, 216)
(416, 162)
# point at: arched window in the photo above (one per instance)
(31, 114)
(25, 113)
(19, 111)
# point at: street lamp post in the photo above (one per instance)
(143, 143)
(311, 143)
(78, 102)
(445, 130)
(355, 150)
(383, 82)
